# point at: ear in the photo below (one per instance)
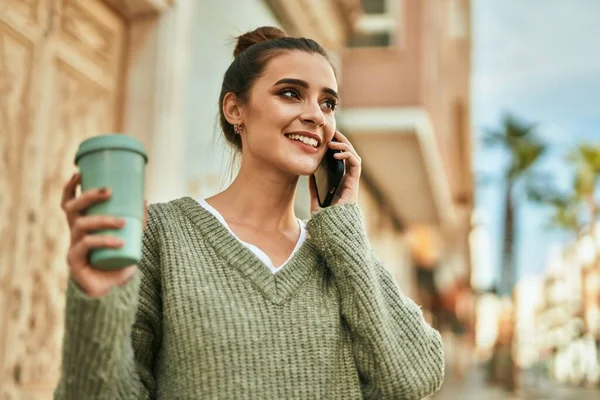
(232, 109)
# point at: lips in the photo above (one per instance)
(303, 139)
(308, 138)
(306, 148)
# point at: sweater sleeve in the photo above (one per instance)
(110, 342)
(398, 355)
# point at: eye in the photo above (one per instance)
(289, 93)
(330, 104)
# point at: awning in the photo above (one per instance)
(401, 157)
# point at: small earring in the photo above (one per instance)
(237, 128)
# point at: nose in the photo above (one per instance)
(313, 114)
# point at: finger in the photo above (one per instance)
(69, 190)
(145, 214)
(353, 163)
(343, 147)
(104, 281)
(314, 202)
(84, 225)
(115, 277)
(341, 138)
(125, 274)
(78, 254)
(77, 205)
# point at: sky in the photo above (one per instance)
(540, 60)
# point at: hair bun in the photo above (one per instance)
(258, 35)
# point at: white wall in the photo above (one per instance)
(207, 157)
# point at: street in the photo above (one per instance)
(473, 387)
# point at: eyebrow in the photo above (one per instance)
(304, 84)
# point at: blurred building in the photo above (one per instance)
(405, 91)
(152, 68)
(405, 82)
(528, 298)
(567, 321)
(488, 310)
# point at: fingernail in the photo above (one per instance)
(103, 190)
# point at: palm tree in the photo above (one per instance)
(578, 210)
(524, 148)
(565, 215)
(586, 184)
(586, 159)
(564, 208)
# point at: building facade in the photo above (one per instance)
(405, 90)
(73, 69)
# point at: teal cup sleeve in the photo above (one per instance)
(116, 162)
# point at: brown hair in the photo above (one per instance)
(253, 51)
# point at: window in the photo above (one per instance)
(380, 39)
(374, 6)
(377, 26)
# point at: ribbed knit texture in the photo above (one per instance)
(204, 318)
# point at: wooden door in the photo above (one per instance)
(61, 69)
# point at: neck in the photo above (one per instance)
(259, 196)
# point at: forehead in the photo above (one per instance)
(310, 67)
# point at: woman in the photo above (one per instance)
(202, 316)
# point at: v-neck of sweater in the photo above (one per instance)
(255, 249)
(278, 288)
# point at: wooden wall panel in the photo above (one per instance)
(20, 31)
(59, 84)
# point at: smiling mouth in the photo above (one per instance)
(304, 139)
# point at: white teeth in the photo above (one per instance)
(306, 140)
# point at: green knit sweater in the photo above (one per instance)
(204, 318)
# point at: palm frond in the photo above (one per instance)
(520, 139)
(514, 127)
(588, 155)
(584, 182)
(567, 215)
(494, 138)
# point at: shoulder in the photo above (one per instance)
(180, 219)
(171, 227)
(165, 209)
(161, 214)
(161, 218)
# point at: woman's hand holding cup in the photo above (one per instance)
(108, 219)
(94, 282)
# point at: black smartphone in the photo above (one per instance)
(328, 177)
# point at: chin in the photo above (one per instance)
(302, 171)
(302, 167)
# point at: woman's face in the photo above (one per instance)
(289, 117)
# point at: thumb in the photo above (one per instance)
(145, 214)
(314, 202)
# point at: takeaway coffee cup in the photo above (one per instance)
(117, 162)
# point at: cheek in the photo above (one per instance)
(330, 128)
(273, 115)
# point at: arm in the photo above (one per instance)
(110, 342)
(398, 355)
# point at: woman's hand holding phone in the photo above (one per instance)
(347, 192)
